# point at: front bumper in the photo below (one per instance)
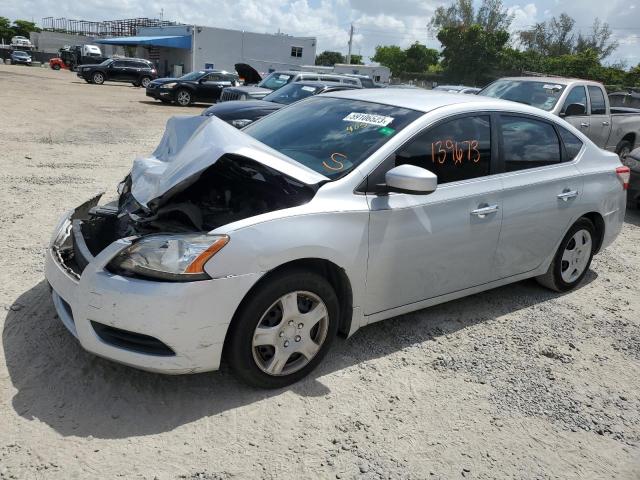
(160, 93)
(190, 318)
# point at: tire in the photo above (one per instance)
(135, 84)
(272, 358)
(571, 263)
(97, 78)
(184, 97)
(55, 67)
(624, 148)
(144, 82)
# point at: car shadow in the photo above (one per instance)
(107, 84)
(77, 393)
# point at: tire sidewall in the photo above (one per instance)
(239, 350)
(581, 224)
(621, 146)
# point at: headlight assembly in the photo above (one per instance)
(241, 123)
(179, 258)
(168, 85)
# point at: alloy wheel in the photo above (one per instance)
(184, 98)
(98, 78)
(290, 333)
(576, 256)
(145, 82)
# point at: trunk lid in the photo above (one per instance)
(247, 72)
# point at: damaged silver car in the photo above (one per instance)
(260, 246)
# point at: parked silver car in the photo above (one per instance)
(330, 214)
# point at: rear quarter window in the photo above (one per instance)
(572, 144)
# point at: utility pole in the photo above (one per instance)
(350, 44)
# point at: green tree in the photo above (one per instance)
(418, 58)
(557, 37)
(491, 16)
(23, 28)
(391, 56)
(5, 29)
(470, 54)
(328, 58)
(356, 59)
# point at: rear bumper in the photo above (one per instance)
(190, 318)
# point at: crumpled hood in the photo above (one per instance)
(192, 144)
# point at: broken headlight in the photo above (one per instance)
(170, 257)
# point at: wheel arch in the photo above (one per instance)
(598, 222)
(630, 137)
(335, 275)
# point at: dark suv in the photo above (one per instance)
(201, 86)
(136, 71)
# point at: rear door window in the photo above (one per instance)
(459, 149)
(528, 143)
(598, 106)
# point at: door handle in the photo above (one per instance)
(605, 124)
(566, 195)
(482, 212)
(584, 124)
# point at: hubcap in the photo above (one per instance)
(145, 82)
(576, 256)
(290, 333)
(98, 78)
(184, 98)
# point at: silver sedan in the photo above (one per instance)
(260, 246)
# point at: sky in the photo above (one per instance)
(376, 22)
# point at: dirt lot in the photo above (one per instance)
(515, 383)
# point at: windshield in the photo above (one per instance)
(292, 93)
(542, 95)
(331, 135)
(193, 75)
(20, 54)
(276, 80)
(106, 62)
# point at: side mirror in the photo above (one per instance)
(575, 109)
(411, 179)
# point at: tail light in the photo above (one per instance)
(153, 70)
(624, 174)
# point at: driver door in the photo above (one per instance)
(577, 95)
(424, 246)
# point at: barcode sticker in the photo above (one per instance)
(369, 118)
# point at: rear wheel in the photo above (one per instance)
(97, 78)
(145, 81)
(55, 66)
(624, 148)
(283, 330)
(183, 98)
(572, 260)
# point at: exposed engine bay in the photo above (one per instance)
(232, 189)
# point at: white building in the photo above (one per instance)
(191, 48)
(377, 73)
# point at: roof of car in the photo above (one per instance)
(324, 83)
(560, 80)
(419, 99)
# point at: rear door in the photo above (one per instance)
(423, 246)
(578, 94)
(542, 187)
(119, 71)
(600, 119)
(210, 87)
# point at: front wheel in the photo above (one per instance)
(183, 98)
(572, 260)
(283, 330)
(55, 67)
(97, 78)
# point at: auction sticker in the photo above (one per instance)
(369, 118)
(309, 89)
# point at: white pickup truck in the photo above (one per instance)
(582, 103)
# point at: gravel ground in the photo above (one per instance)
(515, 383)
